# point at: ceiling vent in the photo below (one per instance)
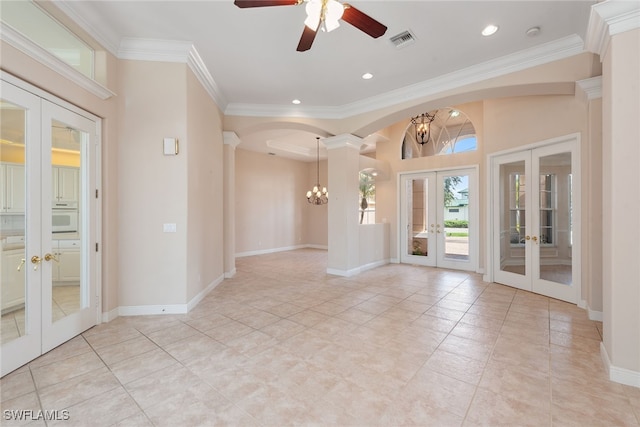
(403, 39)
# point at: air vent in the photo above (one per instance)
(403, 39)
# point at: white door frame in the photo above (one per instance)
(91, 258)
(573, 140)
(472, 263)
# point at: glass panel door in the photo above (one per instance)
(20, 227)
(68, 294)
(455, 222)
(47, 224)
(534, 215)
(511, 199)
(553, 255)
(437, 219)
(419, 216)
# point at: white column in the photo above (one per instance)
(614, 33)
(231, 141)
(343, 154)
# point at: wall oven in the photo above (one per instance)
(64, 218)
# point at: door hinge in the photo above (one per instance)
(96, 247)
(96, 193)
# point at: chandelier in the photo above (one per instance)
(318, 196)
(422, 124)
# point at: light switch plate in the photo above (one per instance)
(170, 146)
(169, 228)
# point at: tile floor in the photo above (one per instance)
(284, 344)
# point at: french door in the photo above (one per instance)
(536, 220)
(438, 225)
(48, 225)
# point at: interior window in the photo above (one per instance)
(439, 132)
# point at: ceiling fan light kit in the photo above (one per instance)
(325, 15)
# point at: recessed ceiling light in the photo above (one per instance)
(296, 101)
(367, 76)
(489, 30)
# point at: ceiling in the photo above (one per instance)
(252, 58)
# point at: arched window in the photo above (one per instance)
(449, 132)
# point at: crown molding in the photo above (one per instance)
(343, 140)
(109, 43)
(539, 55)
(41, 55)
(154, 50)
(231, 139)
(196, 64)
(591, 88)
(183, 52)
(609, 18)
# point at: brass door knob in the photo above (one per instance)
(35, 260)
(49, 257)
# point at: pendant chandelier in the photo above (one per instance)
(319, 195)
(422, 124)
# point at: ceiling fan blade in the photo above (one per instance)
(263, 3)
(363, 21)
(308, 36)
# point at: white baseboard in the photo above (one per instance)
(230, 274)
(593, 314)
(145, 310)
(108, 316)
(195, 300)
(270, 251)
(357, 270)
(617, 374)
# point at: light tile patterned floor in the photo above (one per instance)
(284, 344)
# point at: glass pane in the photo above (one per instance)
(456, 217)
(418, 234)
(37, 25)
(66, 220)
(12, 220)
(512, 218)
(555, 218)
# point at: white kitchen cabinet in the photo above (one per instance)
(13, 279)
(65, 184)
(67, 269)
(12, 188)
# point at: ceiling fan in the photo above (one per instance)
(323, 14)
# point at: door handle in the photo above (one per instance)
(22, 261)
(534, 238)
(527, 237)
(49, 257)
(35, 260)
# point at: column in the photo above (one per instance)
(614, 33)
(343, 154)
(231, 141)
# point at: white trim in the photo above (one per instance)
(607, 19)
(230, 274)
(145, 310)
(108, 316)
(200, 296)
(357, 270)
(197, 65)
(52, 62)
(617, 374)
(592, 88)
(270, 251)
(154, 50)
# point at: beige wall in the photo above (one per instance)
(152, 187)
(204, 147)
(272, 212)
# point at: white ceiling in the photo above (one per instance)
(252, 58)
